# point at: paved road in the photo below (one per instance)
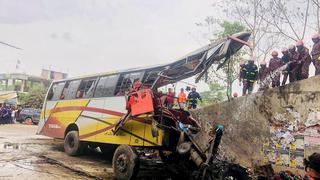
(24, 155)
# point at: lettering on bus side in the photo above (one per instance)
(54, 126)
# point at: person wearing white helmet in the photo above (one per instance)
(293, 59)
(304, 61)
(285, 60)
(315, 53)
(262, 76)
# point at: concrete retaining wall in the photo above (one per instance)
(280, 126)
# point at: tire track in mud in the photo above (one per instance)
(74, 170)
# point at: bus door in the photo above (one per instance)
(49, 105)
(68, 108)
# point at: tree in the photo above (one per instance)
(33, 99)
(225, 77)
(290, 20)
(216, 93)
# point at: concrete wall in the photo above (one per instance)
(278, 126)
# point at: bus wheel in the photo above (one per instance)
(125, 163)
(72, 144)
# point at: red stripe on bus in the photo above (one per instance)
(97, 132)
(98, 110)
(84, 108)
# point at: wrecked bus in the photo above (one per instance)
(121, 112)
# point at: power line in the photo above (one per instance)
(1, 42)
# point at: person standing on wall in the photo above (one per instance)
(304, 60)
(315, 53)
(251, 76)
(294, 66)
(274, 64)
(285, 60)
(262, 76)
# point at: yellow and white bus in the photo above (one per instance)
(84, 111)
(91, 106)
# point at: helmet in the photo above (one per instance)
(235, 94)
(299, 43)
(274, 53)
(284, 49)
(315, 36)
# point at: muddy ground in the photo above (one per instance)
(25, 155)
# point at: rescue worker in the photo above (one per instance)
(242, 75)
(304, 60)
(274, 64)
(263, 73)
(182, 98)
(242, 72)
(193, 97)
(293, 59)
(251, 76)
(285, 60)
(315, 53)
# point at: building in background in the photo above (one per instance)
(53, 75)
(14, 84)
(20, 82)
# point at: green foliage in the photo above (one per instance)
(230, 28)
(220, 82)
(216, 94)
(33, 99)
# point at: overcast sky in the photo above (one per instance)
(90, 36)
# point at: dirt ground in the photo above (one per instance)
(25, 155)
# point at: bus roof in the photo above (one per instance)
(196, 62)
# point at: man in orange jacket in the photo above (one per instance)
(182, 98)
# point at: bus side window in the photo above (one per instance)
(86, 88)
(149, 78)
(55, 91)
(125, 83)
(106, 86)
(70, 89)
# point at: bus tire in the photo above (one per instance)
(125, 163)
(72, 144)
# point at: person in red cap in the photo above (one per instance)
(315, 53)
(293, 59)
(304, 61)
(262, 75)
(274, 64)
(285, 60)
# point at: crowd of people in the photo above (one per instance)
(183, 101)
(295, 61)
(7, 114)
